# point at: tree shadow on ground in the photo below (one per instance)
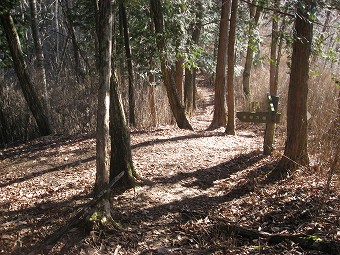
(44, 143)
(177, 139)
(205, 178)
(46, 171)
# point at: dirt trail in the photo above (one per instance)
(194, 177)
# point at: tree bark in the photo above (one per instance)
(230, 129)
(40, 60)
(20, 66)
(220, 113)
(296, 153)
(255, 13)
(190, 77)
(104, 28)
(273, 81)
(123, 16)
(179, 77)
(174, 100)
(121, 156)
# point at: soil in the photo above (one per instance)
(197, 183)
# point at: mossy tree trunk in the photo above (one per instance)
(121, 156)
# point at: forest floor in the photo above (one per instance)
(204, 190)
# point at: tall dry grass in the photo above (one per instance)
(323, 106)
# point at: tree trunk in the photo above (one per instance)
(20, 66)
(190, 77)
(296, 153)
(255, 13)
(220, 113)
(230, 129)
(40, 60)
(76, 49)
(174, 100)
(179, 77)
(104, 28)
(123, 16)
(121, 157)
(273, 81)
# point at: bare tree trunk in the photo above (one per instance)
(220, 112)
(296, 153)
(230, 129)
(20, 66)
(255, 13)
(123, 16)
(174, 100)
(104, 28)
(273, 80)
(40, 60)
(190, 77)
(76, 49)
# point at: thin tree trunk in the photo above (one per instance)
(220, 112)
(122, 11)
(190, 81)
(296, 153)
(76, 49)
(174, 100)
(273, 81)
(40, 60)
(20, 66)
(230, 129)
(255, 13)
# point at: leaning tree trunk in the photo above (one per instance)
(174, 99)
(123, 17)
(230, 129)
(220, 112)
(296, 153)
(20, 66)
(104, 30)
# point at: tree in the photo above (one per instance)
(169, 83)
(40, 59)
(295, 153)
(124, 22)
(255, 13)
(190, 73)
(104, 28)
(230, 129)
(34, 103)
(220, 115)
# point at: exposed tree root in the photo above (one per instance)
(305, 241)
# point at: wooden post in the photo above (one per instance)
(273, 102)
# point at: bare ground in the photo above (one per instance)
(199, 183)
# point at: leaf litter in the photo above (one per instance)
(197, 180)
